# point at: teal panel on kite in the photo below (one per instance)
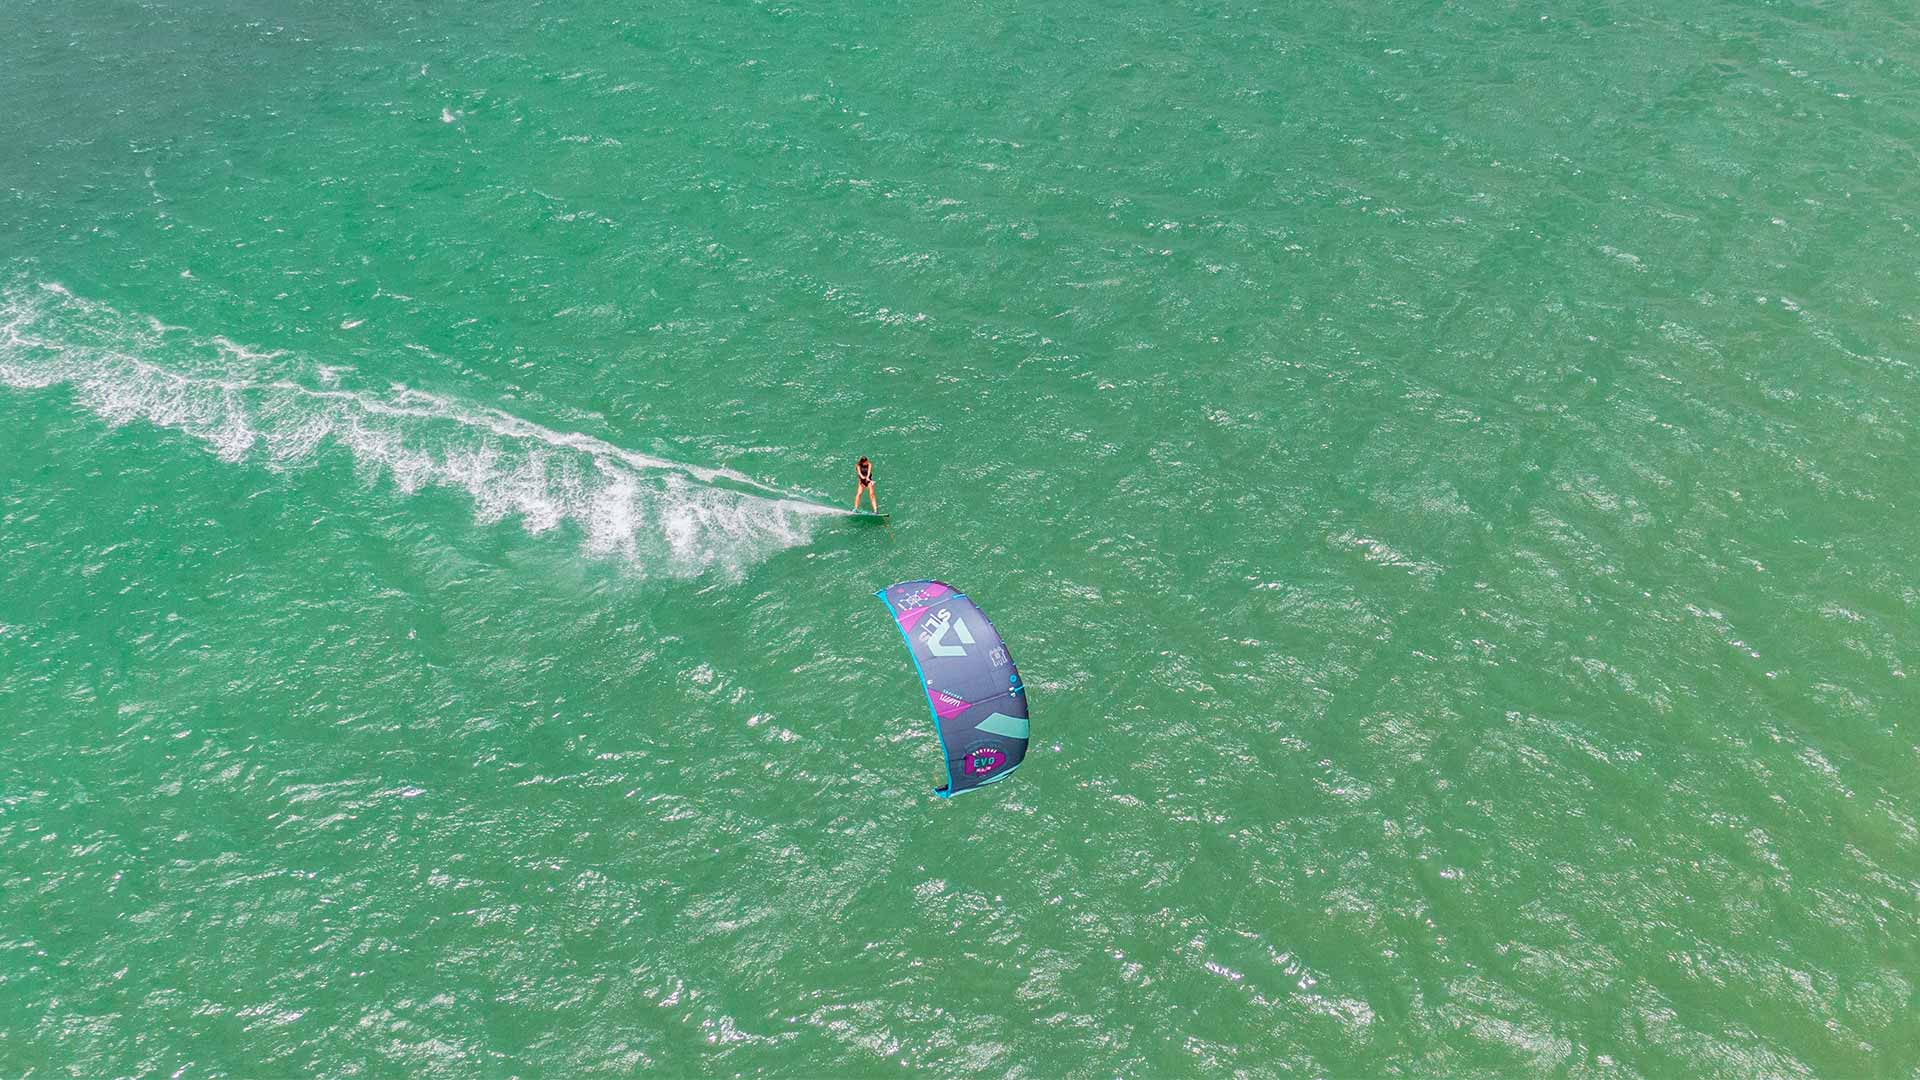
(973, 690)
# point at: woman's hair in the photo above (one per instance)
(863, 461)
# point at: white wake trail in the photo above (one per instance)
(664, 516)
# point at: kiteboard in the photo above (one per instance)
(868, 515)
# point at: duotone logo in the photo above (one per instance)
(939, 626)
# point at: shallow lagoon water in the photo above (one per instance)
(1445, 471)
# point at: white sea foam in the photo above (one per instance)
(663, 516)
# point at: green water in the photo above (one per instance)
(1446, 471)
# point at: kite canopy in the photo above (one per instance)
(979, 707)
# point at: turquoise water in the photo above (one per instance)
(1446, 472)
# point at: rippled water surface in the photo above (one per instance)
(1445, 470)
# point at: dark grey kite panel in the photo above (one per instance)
(973, 690)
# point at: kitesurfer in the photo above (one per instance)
(863, 472)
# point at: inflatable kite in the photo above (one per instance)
(973, 690)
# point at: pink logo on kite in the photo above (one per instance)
(946, 706)
(922, 597)
(981, 761)
(910, 617)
